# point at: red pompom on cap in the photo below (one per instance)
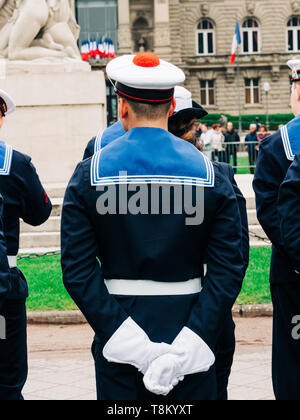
(147, 59)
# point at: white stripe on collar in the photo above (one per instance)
(97, 180)
(98, 141)
(5, 159)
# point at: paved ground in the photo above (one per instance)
(61, 367)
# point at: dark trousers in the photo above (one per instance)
(13, 351)
(224, 357)
(219, 156)
(286, 341)
(124, 383)
(232, 151)
(252, 153)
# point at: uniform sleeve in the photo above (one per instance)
(289, 211)
(267, 180)
(82, 274)
(4, 267)
(223, 281)
(90, 149)
(242, 204)
(36, 206)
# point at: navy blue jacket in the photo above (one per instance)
(159, 247)
(289, 211)
(24, 198)
(103, 138)
(276, 153)
(229, 172)
(4, 268)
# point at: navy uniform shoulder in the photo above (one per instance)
(90, 149)
(20, 159)
(274, 140)
(226, 169)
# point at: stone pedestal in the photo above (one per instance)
(60, 107)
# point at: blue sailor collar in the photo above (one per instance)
(151, 155)
(6, 153)
(104, 138)
(290, 134)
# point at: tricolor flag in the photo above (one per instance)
(237, 40)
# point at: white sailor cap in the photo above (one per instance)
(186, 109)
(144, 78)
(295, 66)
(7, 105)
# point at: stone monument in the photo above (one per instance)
(61, 103)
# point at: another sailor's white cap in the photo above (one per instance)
(186, 108)
(183, 98)
(7, 105)
(295, 66)
(144, 78)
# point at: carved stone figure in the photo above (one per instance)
(250, 7)
(33, 29)
(296, 6)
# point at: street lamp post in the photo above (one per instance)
(267, 88)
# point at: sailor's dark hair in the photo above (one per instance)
(3, 107)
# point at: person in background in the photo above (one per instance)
(205, 141)
(217, 139)
(223, 121)
(262, 134)
(231, 136)
(226, 343)
(251, 147)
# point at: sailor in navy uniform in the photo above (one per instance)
(103, 139)
(288, 296)
(150, 312)
(276, 154)
(4, 267)
(186, 113)
(25, 198)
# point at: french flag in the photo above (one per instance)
(237, 40)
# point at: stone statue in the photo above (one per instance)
(34, 29)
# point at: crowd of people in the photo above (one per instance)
(222, 142)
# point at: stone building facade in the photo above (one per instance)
(197, 36)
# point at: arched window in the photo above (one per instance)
(293, 34)
(205, 37)
(250, 36)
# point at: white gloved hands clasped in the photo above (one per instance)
(131, 345)
(189, 354)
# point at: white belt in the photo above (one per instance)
(152, 288)
(12, 261)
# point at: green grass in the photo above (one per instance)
(46, 289)
(47, 292)
(256, 289)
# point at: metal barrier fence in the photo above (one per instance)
(242, 156)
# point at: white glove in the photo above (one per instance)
(131, 345)
(189, 355)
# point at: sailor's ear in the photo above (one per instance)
(172, 107)
(123, 108)
(297, 87)
(2, 119)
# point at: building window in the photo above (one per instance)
(252, 91)
(205, 37)
(207, 91)
(293, 34)
(97, 18)
(250, 36)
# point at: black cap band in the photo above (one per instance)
(3, 107)
(146, 96)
